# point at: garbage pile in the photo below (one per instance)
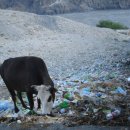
(93, 103)
(80, 102)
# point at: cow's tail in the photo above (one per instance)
(0, 68)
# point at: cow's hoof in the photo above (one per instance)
(32, 112)
(52, 115)
(26, 107)
(38, 108)
(16, 110)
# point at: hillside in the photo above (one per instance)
(67, 46)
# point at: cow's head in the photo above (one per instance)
(46, 94)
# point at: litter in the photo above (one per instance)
(19, 121)
(88, 101)
(91, 100)
(120, 91)
(113, 114)
(62, 111)
(70, 113)
(64, 104)
(85, 92)
(5, 104)
(128, 79)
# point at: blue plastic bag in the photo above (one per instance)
(85, 92)
(120, 91)
(5, 104)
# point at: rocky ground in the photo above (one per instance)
(72, 50)
(62, 6)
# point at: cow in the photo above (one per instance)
(29, 74)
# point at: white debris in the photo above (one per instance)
(128, 79)
(19, 121)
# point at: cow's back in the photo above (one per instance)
(22, 72)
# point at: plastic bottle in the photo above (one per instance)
(64, 104)
(121, 91)
(85, 92)
(128, 79)
(113, 114)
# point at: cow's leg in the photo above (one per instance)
(39, 103)
(13, 95)
(20, 98)
(30, 100)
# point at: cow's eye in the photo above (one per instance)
(49, 99)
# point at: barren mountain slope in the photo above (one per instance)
(62, 6)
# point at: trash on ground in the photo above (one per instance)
(79, 102)
(120, 91)
(113, 114)
(5, 104)
(95, 101)
(128, 79)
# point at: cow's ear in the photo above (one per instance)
(35, 87)
(55, 90)
(52, 90)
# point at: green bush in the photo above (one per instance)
(111, 24)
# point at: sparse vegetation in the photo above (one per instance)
(111, 24)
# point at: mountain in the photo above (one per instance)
(62, 6)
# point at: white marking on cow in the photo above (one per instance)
(43, 95)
